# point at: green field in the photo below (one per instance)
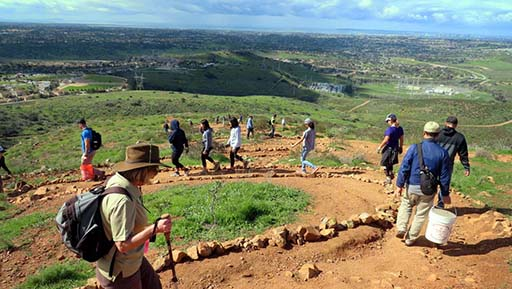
(236, 73)
(90, 87)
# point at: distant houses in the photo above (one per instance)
(328, 87)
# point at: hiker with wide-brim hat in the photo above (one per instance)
(126, 223)
(4, 166)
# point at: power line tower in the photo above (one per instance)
(139, 81)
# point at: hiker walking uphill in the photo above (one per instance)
(308, 144)
(89, 147)
(125, 222)
(250, 127)
(179, 143)
(424, 166)
(235, 142)
(3, 166)
(391, 146)
(207, 141)
(455, 143)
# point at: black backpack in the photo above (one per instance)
(428, 181)
(96, 140)
(80, 226)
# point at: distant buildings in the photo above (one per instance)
(328, 87)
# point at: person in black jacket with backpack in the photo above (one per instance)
(179, 143)
(455, 143)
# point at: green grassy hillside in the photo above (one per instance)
(43, 132)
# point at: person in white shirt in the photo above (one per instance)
(235, 142)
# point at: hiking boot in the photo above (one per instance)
(176, 174)
(409, 242)
(246, 164)
(216, 166)
(204, 172)
(400, 234)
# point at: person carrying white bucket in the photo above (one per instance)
(424, 167)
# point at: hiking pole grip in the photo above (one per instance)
(174, 279)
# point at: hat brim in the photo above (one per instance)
(125, 166)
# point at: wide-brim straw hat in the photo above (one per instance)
(140, 156)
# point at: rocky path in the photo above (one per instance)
(365, 256)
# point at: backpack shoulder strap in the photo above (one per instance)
(117, 190)
(420, 156)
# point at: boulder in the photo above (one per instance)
(192, 253)
(366, 218)
(40, 193)
(301, 230)
(327, 233)
(204, 250)
(308, 271)
(280, 236)
(312, 234)
(382, 207)
(178, 256)
(328, 223)
(259, 241)
(292, 237)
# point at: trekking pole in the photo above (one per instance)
(174, 279)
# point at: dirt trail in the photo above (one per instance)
(365, 257)
(359, 106)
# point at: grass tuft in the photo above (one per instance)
(218, 211)
(59, 276)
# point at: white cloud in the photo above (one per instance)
(365, 4)
(390, 11)
(507, 17)
(439, 17)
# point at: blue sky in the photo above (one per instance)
(437, 16)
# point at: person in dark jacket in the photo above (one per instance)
(455, 143)
(3, 166)
(436, 159)
(179, 142)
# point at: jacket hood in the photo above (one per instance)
(448, 131)
(175, 124)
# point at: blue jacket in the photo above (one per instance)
(434, 157)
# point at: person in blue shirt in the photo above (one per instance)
(391, 146)
(87, 152)
(436, 159)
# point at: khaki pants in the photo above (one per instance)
(422, 204)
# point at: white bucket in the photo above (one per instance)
(440, 224)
